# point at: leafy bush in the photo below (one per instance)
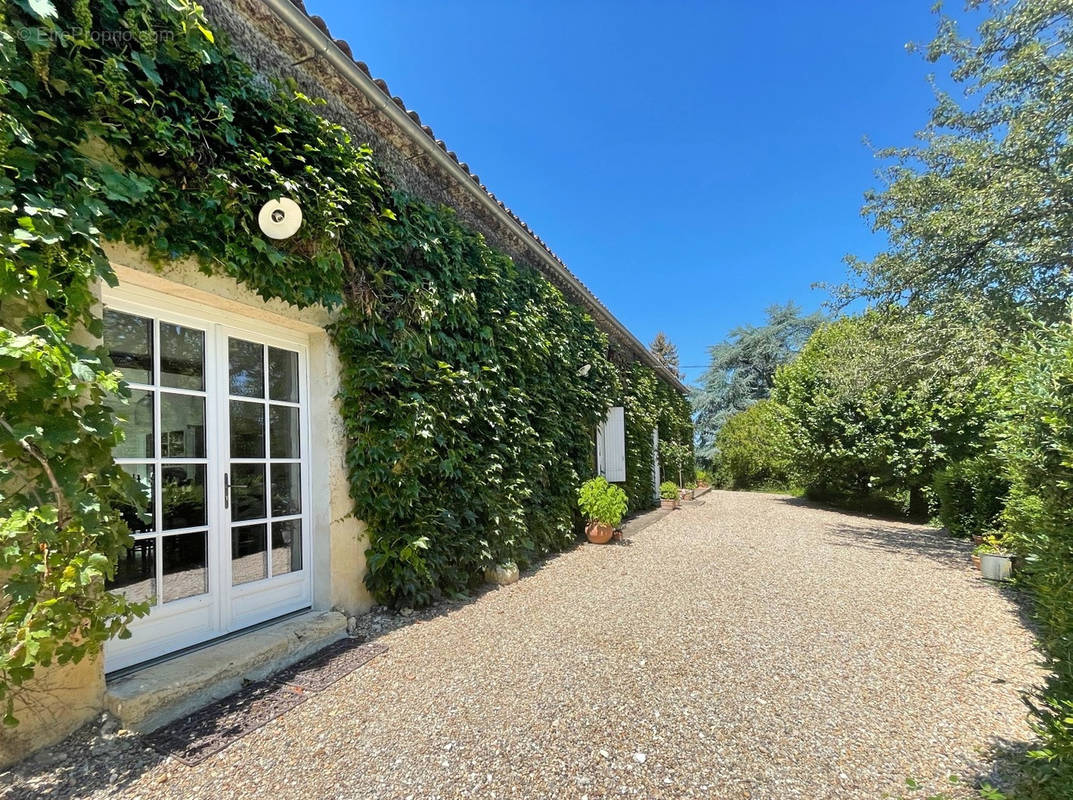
(668, 490)
(972, 495)
(1038, 450)
(602, 502)
(874, 413)
(754, 447)
(703, 477)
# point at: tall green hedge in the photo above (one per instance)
(129, 119)
(1037, 446)
(754, 449)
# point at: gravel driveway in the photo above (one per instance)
(746, 646)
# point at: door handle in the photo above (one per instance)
(228, 486)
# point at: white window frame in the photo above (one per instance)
(224, 609)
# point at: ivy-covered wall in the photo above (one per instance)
(650, 402)
(470, 428)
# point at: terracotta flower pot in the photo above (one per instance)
(976, 560)
(668, 503)
(687, 494)
(599, 533)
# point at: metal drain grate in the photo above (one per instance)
(210, 730)
(321, 670)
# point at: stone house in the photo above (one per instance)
(230, 387)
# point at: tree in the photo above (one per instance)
(667, 352)
(755, 447)
(742, 369)
(875, 413)
(1037, 446)
(982, 209)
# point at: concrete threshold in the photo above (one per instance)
(151, 697)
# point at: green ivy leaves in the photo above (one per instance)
(469, 428)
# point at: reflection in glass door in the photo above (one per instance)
(164, 450)
(214, 434)
(265, 480)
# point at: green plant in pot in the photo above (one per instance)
(604, 506)
(996, 562)
(668, 494)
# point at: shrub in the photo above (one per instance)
(1037, 447)
(703, 477)
(971, 496)
(668, 490)
(754, 447)
(876, 413)
(676, 459)
(602, 502)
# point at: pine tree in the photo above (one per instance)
(743, 366)
(666, 351)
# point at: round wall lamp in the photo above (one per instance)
(280, 218)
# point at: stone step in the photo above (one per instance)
(151, 697)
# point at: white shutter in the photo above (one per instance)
(655, 462)
(611, 446)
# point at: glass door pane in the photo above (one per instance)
(265, 469)
(164, 450)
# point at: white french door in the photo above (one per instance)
(217, 436)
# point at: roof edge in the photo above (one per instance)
(295, 17)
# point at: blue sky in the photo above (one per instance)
(691, 162)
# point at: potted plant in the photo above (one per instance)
(687, 492)
(674, 457)
(604, 506)
(996, 563)
(668, 495)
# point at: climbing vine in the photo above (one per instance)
(470, 427)
(651, 403)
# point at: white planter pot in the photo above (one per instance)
(995, 566)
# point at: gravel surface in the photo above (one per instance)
(745, 646)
